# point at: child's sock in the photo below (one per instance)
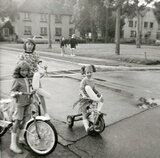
(85, 122)
(100, 105)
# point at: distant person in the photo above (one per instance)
(73, 43)
(16, 37)
(62, 46)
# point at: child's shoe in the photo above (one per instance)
(13, 145)
(90, 130)
(15, 149)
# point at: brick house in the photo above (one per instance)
(33, 19)
(149, 27)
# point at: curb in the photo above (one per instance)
(110, 68)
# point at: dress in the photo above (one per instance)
(62, 43)
(73, 43)
(32, 59)
(85, 101)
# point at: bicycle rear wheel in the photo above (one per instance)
(48, 137)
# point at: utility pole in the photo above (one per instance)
(138, 26)
(49, 31)
(117, 34)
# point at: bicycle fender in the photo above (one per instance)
(43, 118)
(35, 81)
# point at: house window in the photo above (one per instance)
(27, 16)
(43, 17)
(151, 24)
(135, 24)
(58, 32)
(27, 30)
(158, 35)
(71, 31)
(130, 23)
(57, 19)
(145, 24)
(133, 34)
(44, 31)
(70, 20)
(6, 32)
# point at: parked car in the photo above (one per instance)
(157, 42)
(37, 39)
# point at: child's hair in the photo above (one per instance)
(83, 69)
(32, 41)
(20, 65)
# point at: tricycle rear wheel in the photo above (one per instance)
(70, 121)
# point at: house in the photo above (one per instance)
(33, 19)
(149, 27)
(6, 29)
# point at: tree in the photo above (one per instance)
(157, 11)
(88, 16)
(117, 4)
(8, 8)
(52, 7)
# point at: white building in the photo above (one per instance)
(149, 27)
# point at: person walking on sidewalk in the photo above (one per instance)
(22, 111)
(62, 46)
(73, 43)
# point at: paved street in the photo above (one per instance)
(130, 131)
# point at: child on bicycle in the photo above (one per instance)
(31, 57)
(22, 112)
(88, 81)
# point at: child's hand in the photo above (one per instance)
(14, 94)
(98, 94)
(33, 92)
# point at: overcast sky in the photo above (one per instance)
(150, 5)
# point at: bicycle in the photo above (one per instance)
(40, 134)
(95, 118)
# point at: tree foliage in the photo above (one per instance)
(157, 11)
(8, 8)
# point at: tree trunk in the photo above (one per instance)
(106, 26)
(138, 37)
(49, 31)
(92, 32)
(117, 34)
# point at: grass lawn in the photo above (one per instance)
(128, 52)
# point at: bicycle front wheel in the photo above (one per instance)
(45, 140)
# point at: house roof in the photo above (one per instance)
(40, 6)
(6, 24)
(143, 12)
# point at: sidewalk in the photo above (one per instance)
(113, 63)
(129, 54)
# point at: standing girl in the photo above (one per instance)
(86, 82)
(32, 58)
(22, 112)
(62, 46)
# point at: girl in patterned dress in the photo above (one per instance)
(32, 58)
